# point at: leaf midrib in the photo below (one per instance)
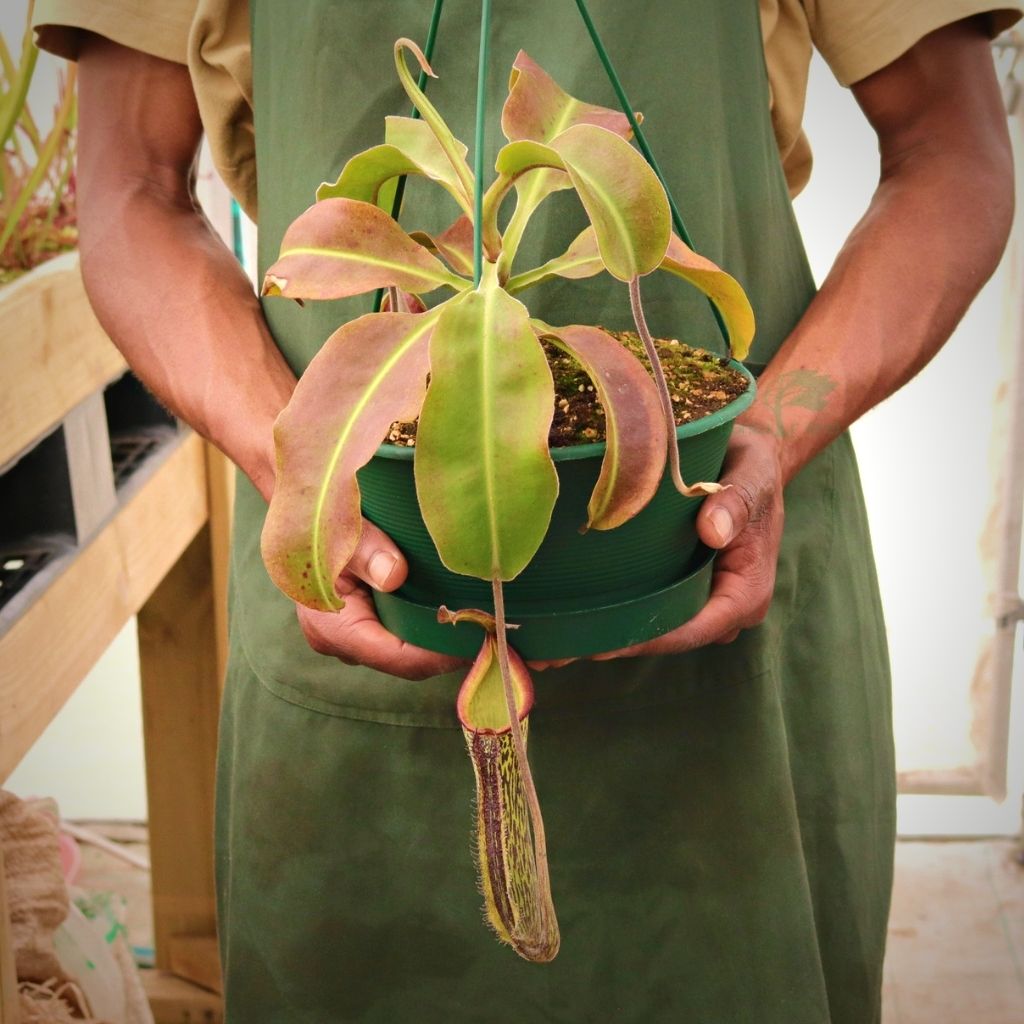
(442, 277)
(327, 592)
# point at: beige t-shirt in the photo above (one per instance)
(856, 38)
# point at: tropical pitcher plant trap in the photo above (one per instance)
(478, 357)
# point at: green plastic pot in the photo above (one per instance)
(582, 593)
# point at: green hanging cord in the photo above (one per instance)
(478, 143)
(428, 52)
(641, 141)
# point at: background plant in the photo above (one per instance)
(485, 480)
(37, 181)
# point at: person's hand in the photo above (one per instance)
(354, 635)
(745, 522)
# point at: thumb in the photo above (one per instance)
(723, 517)
(377, 561)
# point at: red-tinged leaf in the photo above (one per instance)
(369, 373)
(623, 197)
(455, 244)
(538, 108)
(484, 476)
(723, 290)
(634, 460)
(582, 259)
(343, 247)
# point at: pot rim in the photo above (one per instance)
(570, 453)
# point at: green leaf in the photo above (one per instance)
(538, 108)
(370, 177)
(582, 259)
(455, 244)
(453, 150)
(416, 139)
(369, 373)
(622, 196)
(722, 289)
(634, 460)
(343, 247)
(484, 475)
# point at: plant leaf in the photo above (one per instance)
(453, 150)
(369, 373)
(634, 460)
(455, 244)
(415, 138)
(365, 175)
(342, 247)
(623, 197)
(484, 476)
(582, 259)
(538, 108)
(722, 289)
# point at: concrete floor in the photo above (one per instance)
(956, 933)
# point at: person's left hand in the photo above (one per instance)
(745, 522)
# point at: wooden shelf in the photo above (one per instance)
(155, 547)
(176, 1001)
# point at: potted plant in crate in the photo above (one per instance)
(37, 212)
(463, 396)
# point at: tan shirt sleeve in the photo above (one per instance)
(156, 27)
(859, 38)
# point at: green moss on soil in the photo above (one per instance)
(700, 383)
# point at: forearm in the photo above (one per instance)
(177, 304)
(931, 237)
(169, 293)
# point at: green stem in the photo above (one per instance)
(478, 142)
(15, 99)
(46, 156)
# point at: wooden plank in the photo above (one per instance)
(87, 442)
(196, 958)
(175, 1001)
(9, 1010)
(964, 781)
(220, 484)
(180, 706)
(53, 347)
(48, 651)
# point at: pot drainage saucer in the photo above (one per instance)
(553, 635)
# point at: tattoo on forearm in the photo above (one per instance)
(796, 389)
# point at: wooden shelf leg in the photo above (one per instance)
(179, 667)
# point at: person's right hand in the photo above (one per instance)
(355, 635)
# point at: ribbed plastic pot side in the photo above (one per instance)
(583, 592)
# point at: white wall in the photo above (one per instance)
(928, 480)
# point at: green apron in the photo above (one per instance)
(720, 824)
